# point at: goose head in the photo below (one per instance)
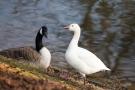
(43, 31)
(73, 27)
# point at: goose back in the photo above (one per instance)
(26, 55)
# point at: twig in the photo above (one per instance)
(118, 81)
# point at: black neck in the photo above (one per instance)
(38, 42)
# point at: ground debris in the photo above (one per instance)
(11, 81)
(17, 76)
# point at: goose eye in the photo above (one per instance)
(72, 25)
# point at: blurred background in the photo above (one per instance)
(108, 30)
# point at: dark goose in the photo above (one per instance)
(39, 57)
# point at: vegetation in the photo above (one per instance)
(50, 77)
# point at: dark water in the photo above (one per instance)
(108, 27)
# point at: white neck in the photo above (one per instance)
(75, 39)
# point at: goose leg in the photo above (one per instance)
(65, 75)
(84, 78)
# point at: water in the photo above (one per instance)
(108, 29)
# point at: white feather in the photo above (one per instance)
(45, 57)
(81, 59)
(41, 31)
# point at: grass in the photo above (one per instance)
(35, 72)
(43, 74)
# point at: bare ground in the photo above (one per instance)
(15, 76)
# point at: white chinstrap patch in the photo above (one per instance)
(41, 31)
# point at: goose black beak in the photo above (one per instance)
(46, 35)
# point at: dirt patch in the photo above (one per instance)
(10, 79)
(17, 76)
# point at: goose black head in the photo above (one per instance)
(43, 31)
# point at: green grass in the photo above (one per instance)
(43, 74)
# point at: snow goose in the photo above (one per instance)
(81, 59)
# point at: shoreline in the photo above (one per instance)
(53, 76)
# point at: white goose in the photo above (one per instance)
(81, 59)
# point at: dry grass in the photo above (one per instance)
(49, 78)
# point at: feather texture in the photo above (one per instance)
(26, 55)
(81, 59)
(39, 57)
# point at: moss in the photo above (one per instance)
(43, 74)
(33, 72)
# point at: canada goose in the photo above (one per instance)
(81, 59)
(40, 57)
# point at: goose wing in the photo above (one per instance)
(21, 53)
(91, 60)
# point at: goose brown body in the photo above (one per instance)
(38, 57)
(26, 55)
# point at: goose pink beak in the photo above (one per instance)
(67, 27)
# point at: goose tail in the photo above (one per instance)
(107, 69)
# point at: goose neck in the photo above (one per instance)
(38, 42)
(75, 39)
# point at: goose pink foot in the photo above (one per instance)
(65, 75)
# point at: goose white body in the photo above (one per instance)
(81, 59)
(45, 57)
(84, 61)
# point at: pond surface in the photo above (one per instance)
(108, 29)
